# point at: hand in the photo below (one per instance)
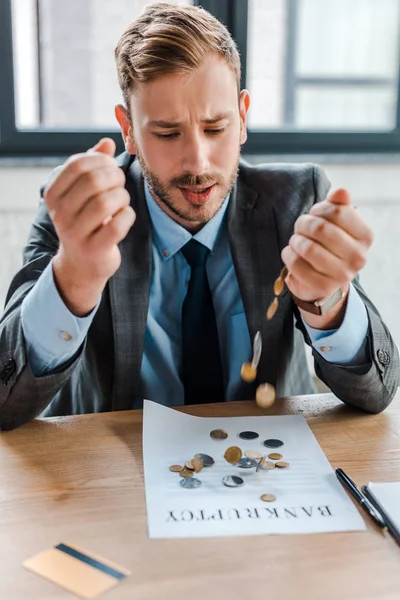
(327, 250)
(91, 212)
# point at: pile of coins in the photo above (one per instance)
(249, 459)
(265, 394)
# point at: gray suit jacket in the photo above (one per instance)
(105, 373)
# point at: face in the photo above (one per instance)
(186, 131)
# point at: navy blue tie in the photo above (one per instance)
(201, 374)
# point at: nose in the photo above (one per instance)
(195, 154)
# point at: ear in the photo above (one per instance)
(244, 104)
(126, 128)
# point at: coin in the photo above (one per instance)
(197, 464)
(265, 395)
(248, 372)
(190, 484)
(218, 434)
(188, 465)
(273, 307)
(272, 443)
(253, 454)
(207, 460)
(282, 464)
(275, 456)
(232, 481)
(175, 468)
(284, 273)
(247, 463)
(261, 464)
(257, 349)
(233, 454)
(186, 473)
(278, 286)
(248, 435)
(267, 497)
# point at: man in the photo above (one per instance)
(148, 277)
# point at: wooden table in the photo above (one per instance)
(80, 479)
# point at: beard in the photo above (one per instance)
(201, 214)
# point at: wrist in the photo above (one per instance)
(333, 319)
(79, 291)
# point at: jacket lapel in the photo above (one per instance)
(256, 256)
(129, 293)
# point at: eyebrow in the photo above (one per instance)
(172, 124)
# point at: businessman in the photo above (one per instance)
(148, 275)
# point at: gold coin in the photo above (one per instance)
(197, 464)
(189, 465)
(248, 372)
(175, 468)
(268, 498)
(284, 273)
(253, 454)
(265, 395)
(269, 465)
(275, 456)
(233, 454)
(186, 473)
(282, 464)
(278, 286)
(218, 434)
(273, 307)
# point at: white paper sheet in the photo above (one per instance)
(309, 498)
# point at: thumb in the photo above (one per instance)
(340, 196)
(105, 145)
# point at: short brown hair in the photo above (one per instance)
(167, 38)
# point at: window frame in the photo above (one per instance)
(234, 13)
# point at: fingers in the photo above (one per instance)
(105, 146)
(345, 217)
(115, 230)
(318, 284)
(340, 196)
(334, 239)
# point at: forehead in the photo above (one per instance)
(202, 93)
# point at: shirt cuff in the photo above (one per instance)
(52, 333)
(345, 345)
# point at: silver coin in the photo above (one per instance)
(190, 483)
(273, 443)
(247, 463)
(232, 481)
(248, 435)
(207, 460)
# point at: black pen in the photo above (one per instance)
(362, 500)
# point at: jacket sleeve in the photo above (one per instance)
(373, 385)
(22, 395)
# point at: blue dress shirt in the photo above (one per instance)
(46, 320)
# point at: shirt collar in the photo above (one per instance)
(169, 237)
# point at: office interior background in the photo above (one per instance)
(324, 81)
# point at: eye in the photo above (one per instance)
(215, 131)
(166, 136)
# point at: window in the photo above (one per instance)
(323, 74)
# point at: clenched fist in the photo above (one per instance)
(328, 248)
(91, 212)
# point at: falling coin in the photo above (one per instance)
(207, 460)
(232, 481)
(248, 372)
(265, 465)
(282, 464)
(175, 468)
(261, 464)
(253, 454)
(218, 434)
(189, 466)
(190, 484)
(233, 454)
(186, 473)
(247, 463)
(273, 443)
(197, 464)
(278, 286)
(267, 497)
(265, 395)
(275, 456)
(248, 435)
(273, 307)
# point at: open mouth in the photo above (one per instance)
(197, 195)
